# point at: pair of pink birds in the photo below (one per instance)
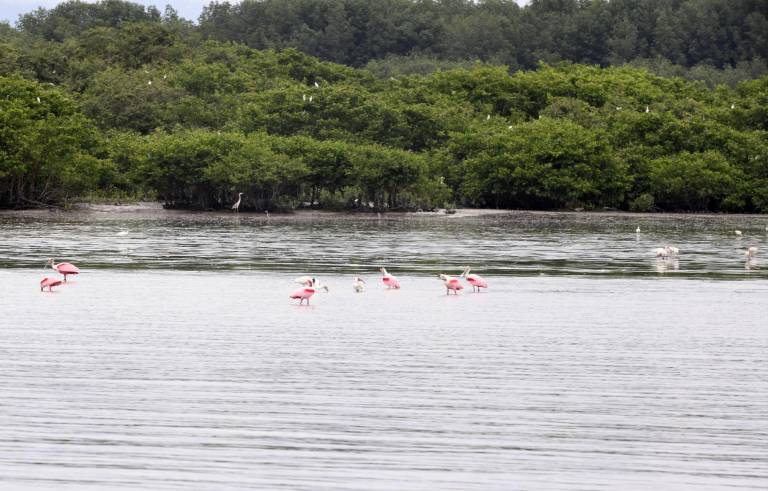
(391, 282)
(452, 283)
(63, 268)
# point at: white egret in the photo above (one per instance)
(303, 97)
(637, 230)
(38, 100)
(738, 233)
(236, 206)
(647, 109)
(317, 84)
(751, 252)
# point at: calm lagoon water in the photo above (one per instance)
(176, 361)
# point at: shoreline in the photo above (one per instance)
(156, 210)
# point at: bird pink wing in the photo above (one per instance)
(475, 280)
(67, 268)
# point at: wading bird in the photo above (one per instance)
(666, 251)
(475, 280)
(750, 253)
(49, 283)
(306, 292)
(737, 232)
(358, 285)
(637, 230)
(389, 280)
(63, 268)
(236, 206)
(452, 284)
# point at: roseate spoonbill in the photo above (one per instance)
(750, 252)
(475, 280)
(306, 293)
(49, 283)
(236, 206)
(358, 285)
(452, 284)
(389, 280)
(63, 268)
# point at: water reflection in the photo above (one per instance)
(503, 244)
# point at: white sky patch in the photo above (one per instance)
(11, 9)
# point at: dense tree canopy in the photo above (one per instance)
(113, 98)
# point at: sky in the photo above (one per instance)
(189, 9)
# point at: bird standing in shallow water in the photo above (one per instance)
(236, 206)
(475, 280)
(389, 280)
(750, 253)
(452, 284)
(64, 268)
(49, 283)
(358, 285)
(306, 292)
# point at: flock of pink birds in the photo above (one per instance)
(452, 284)
(309, 285)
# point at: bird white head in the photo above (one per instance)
(637, 230)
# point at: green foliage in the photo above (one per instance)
(137, 103)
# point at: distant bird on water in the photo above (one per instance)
(358, 285)
(750, 253)
(236, 206)
(389, 280)
(452, 284)
(637, 230)
(49, 283)
(63, 268)
(306, 292)
(738, 233)
(475, 280)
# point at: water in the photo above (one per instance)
(176, 361)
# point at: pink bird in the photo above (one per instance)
(452, 284)
(475, 280)
(389, 280)
(49, 283)
(63, 268)
(306, 292)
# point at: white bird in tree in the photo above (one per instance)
(303, 97)
(733, 106)
(236, 206)
(647, 109)
(310, 98)
(317, 84)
